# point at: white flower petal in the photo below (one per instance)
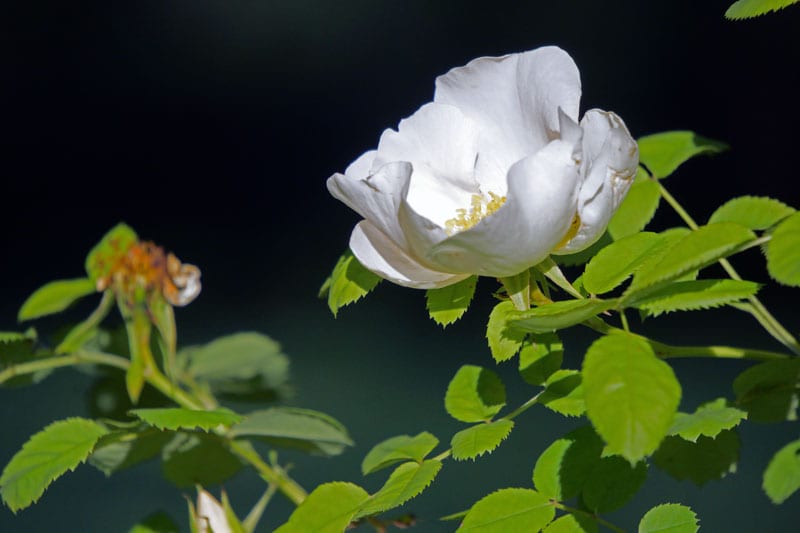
(542, 196)
(383, 257)
(360, 168)
(514, 99)
(211, 515)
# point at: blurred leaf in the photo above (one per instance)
(480, 439)
(159, 522)
(708, 420)
(669, 518)
(232, 520)
(701, 461)
(474, 394)
(663, 153)
(509, 510)
(396, 449)
(617, 261)
(563, 393)
(637, 209)
(570, 523)
(769, 391)
(328, 509)
(540, 357)
(163, 317)
(754, 212)
(303, 429)
(348, 283)
(631, 396)
(138, 328)
(563, 468)
(695, 295)
(122, 449)
(114, 244)
(191, 459)
(448, 304)
(557, 315)
(46, 456)
(745, 9)
(54, 297)
(503, 342)
(782, 476)
(175, 418)
(407, 481)
(783, 252)
(612, 483)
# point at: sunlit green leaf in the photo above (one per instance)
(708, 420)
(448, 304)
(669, 518)
(159, 522)
(114, 244)
(509, 510)
(570, 523)
(782, 476)
(122, 449)
(614, 263)
(769, 391)
(474, 394)
(480, 439)
(694, 295)
(407, 481)
(663, 153)
(631, 396)
(540, 357)
(396, 449)
(557, 315)
(783, 252)
(191, 459)
(46, 456)
(175, 418)
(754, 212)
(504, 343)
(328, 509)
(54, 297)
(563, 393)
(7, 337)
(637, 209)
(705, 460)
(745, 9)
(612, 483)
(348, 283)
(563, 468)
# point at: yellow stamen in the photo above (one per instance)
(574, 226)
(480, 208)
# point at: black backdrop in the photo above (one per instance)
(211, 127)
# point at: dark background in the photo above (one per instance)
(210, 127)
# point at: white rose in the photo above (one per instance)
(491, 177)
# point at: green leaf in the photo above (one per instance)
(191, 459)
(49, 454)
(563, 393)
(328, 509)
(509, 510)
(563, 468)
(54, 297)
(754, 212)
(304, 429)
(233, 521)
(175, 418)
(158, 522)
(122, 449)
(783, 252)
(769, 391)
(477, 440)
(614, 263)
(518, 289)
(663, 153)
(540, 357)
(557, 315)
(782, 476)
(696, 250)
(637, 209)
(579, 258)
(612, 483)
(631, 395)
(708, 420)
(105, 254)
(570, 523)
(348, 283)
(669, 518)
(448, 304)
(396, 449)
(745, 9)
(475, 394)
(242, 366)
(705, 460)
(504, 343)
(694, 295)
(8, 337)
(407, 481)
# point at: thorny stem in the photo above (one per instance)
(572, 510)
(759, 312)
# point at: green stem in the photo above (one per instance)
(289, 487)
(76, 358)
(524, 407)
(91, 322)
(759, 312)
(573, 510)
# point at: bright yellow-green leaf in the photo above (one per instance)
(504, 343)
(617, 261)
(348, 283)
(54, 297)
(448, 304)
(570, 523)
(708, 420)
(783, 252)
(175, 418)
(407, 481)
(745, 9)
(754, 212)
(637, 209)
(782, 476)
(480, 439)
(508, 510)
(558, 315)
(540, 357)
(474, 394)
(563, 393)
(663, 153)
(694, 295)
(328, 509)
(396, 449)
(669, 518)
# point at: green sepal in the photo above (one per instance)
(348, 283)
(448, 304)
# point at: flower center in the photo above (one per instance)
(480, 208)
